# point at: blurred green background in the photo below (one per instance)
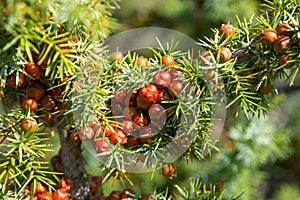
(191, 17)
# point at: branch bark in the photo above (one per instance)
(72, 162)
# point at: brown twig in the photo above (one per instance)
(72, 161)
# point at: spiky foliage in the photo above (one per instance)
(64, 38)
(58, 41)
(199, 190)
(255, 66)
(190, 117)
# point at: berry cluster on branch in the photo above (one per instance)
(54, 71)
(252, 56)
